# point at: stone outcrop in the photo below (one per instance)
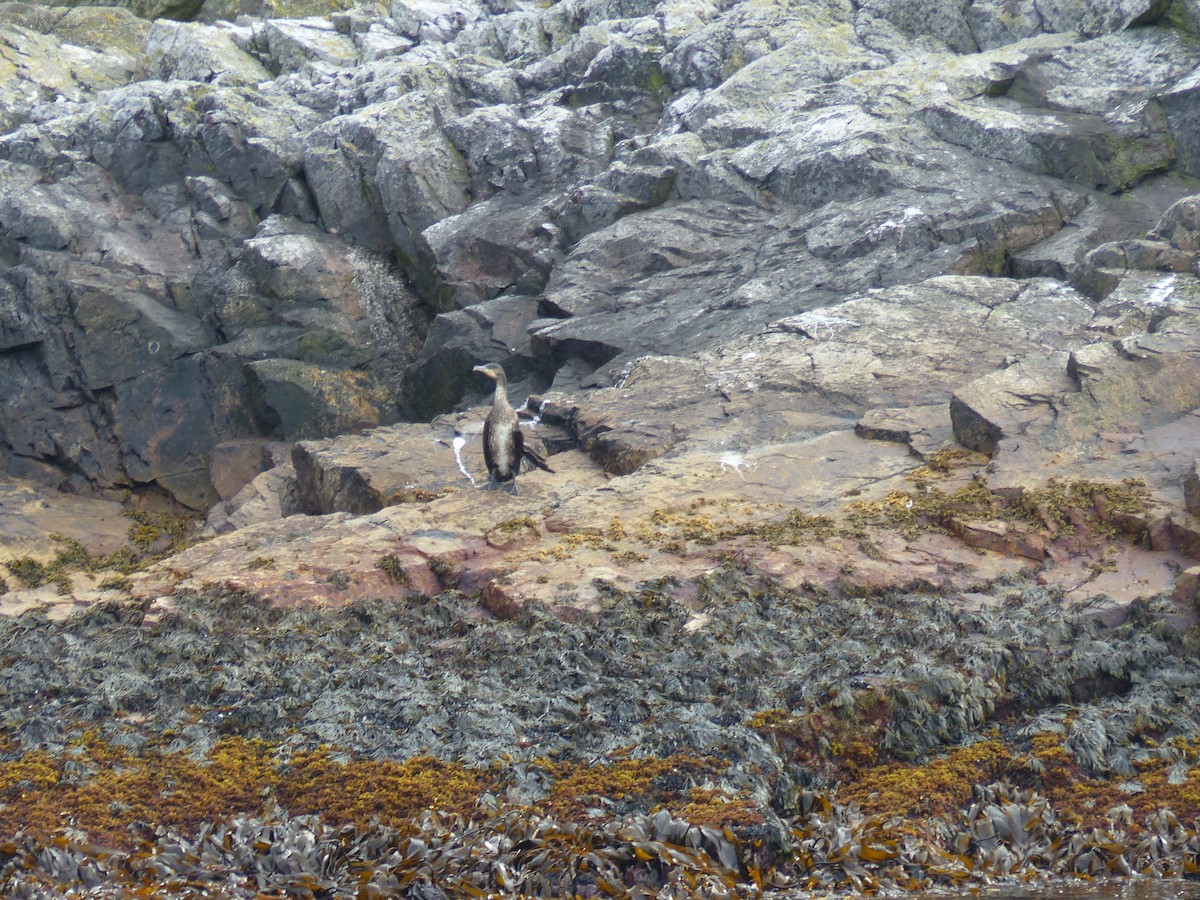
(220, 231)
(766, 253)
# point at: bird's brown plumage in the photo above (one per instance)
(503, 441)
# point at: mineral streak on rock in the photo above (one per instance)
(862, 340)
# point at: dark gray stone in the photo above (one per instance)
(247, 214)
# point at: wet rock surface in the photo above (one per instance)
(862, 340)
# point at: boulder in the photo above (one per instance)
(1180, 225)
(268, 496)
(385, 173)
(1178, 105)
(1187, 588)
(190, 52)
(381, 467)
(1002, 404)
(292, 400)
(234, 464)
(495, 331)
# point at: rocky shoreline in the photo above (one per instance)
(901, 741)
(863, 340)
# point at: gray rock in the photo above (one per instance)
(1179, 107)
(1110, 154)
(219, 213)
(295, 44)
(254, 140)
(383, 175)
(1093, 17)
(1180, 225)
(945, 22)
(1101, 269)
(1003, 404)
(707, 56)
(188, 52)
(1106, 76)
(297, 268)
(292, 400)
(505, 244)
(496, 331)
(432, 20)
(996, 22)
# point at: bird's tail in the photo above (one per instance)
(536, 458)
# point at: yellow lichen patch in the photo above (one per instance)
(943, 462)
(674, 531)
(163, 534)
(516, 523)
(768, 718)
(361, 791)
(413, 495)
(569, 544)
(1099, 506)
(795, 529)
(35, 770)
(1102, 509)
(939, 787)
(912, 512)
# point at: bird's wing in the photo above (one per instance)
(518, 447)
(487, 446)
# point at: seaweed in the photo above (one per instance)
(776, 738)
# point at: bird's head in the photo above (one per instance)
(492, 371)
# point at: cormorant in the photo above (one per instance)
(503, 441)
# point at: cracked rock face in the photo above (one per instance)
(775, 253)
(217, 232)
(791, 258)
(763, 253)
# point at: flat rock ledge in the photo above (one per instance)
(824, 451)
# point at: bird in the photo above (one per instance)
(503, 441)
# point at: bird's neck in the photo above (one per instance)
(500, 400)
